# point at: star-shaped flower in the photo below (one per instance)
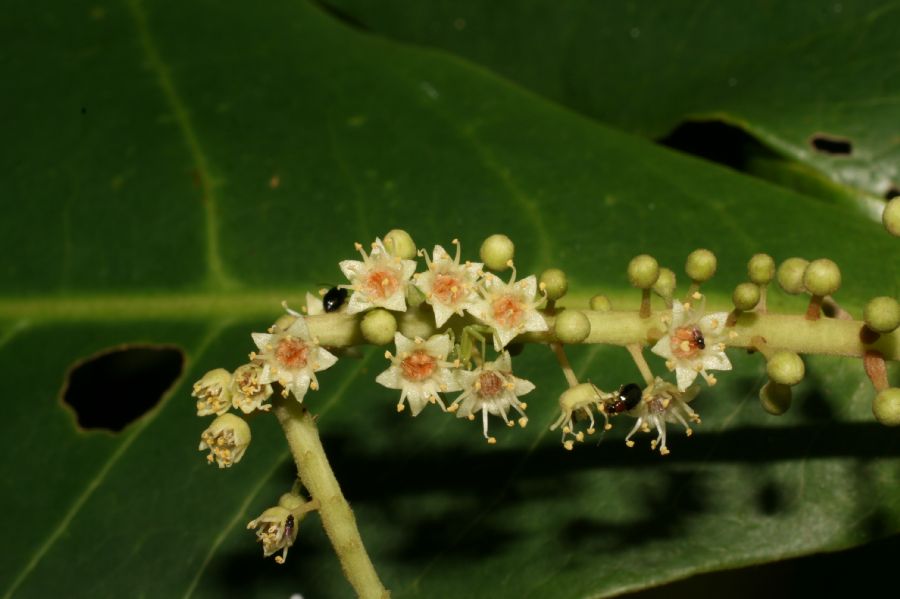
(420, 370)
(213, 392)
(663, 402)
(450, 287)
(247, 392)
(509, 308)
(491, 389)
(379, 280)
(694, 344)
(226, 439)
(291, 357)
(276, 528)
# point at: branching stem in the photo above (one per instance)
(337, 517)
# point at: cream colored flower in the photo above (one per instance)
(379, 280)
(491, 389)
(450, 287)
(247, 392)
(420, 370)
(291, 357)
(663, 402)
(694, 344)
(276, 528)
(509, 308)
(213, 392)
(226, 439)
(581, 399)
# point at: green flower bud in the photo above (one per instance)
(226, 439)
(601, 303)
(572, 326)
(790, 275)
(882, 314)
(886, 406)
(665, 284)
(891, 217)
(700, 265)
(399, 243)
(761, 268)
(496, 252)
(554, 282)
(745, 296)
(378, 326)
(775, 398)
(822, 277)
(414, 296)
(785, 367)
(643, 271)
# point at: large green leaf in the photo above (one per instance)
(174, 170)
(783, 72)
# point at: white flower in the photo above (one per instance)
(663, 402)
(276, 528)
(247, 392)
(450, 287)
(213, 392)
(226, 439)
(492, 389)
(579, 400)
(420, 370)
(291, 357)
(378, 281)
(509, 308)
(694, 344)
(314, 305)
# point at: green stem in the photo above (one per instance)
(337, 517)
(828, 336)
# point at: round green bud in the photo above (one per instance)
(745, 296)
(399, 243)
(378, 326)
(414, 296)
(601, 303)
(496, 252)
(572, 326)
(643, 271)
(291, 502)
(665, 284)
(882, 314)
(775, 398)
(761, 268)
(790, 275)
(700, 265)
(886, 406)
(822, 277)
(891, 217)
(554, 282)
(785, 367)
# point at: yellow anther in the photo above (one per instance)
(491, 440)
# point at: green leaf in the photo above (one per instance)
(784, 73)
(175, 170)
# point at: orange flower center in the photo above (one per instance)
(418, 366)
(508, 310)
(291, 353)
(687, 342)
(448, 289)
(491, 384)
(381, 284)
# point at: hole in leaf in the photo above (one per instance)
(892, 193)
(115, 388)
(829, 144)
(717, 141)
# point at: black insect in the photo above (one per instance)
(629, 396)
(289, 527)
(698, 339)
(334, 299)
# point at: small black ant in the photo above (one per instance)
(628, 397)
